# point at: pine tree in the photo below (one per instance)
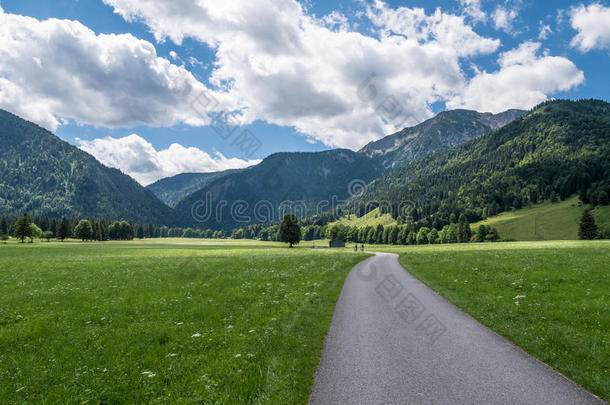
(3, 226)
(64, 230)
(97, 231)
(22, 227)
(140, 232)
(53, 227)
(588, 228)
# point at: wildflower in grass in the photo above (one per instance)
(196, 335)
(149, 374)
(238, 355)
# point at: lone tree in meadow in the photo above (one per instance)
(84, 230)
(588, 228)
(290, 231)
(22, 227)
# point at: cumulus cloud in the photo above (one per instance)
(524, 79)
(273, 62)
(138, 158)
(472, 8)
(503, 18)
(593, 25)
(58, 69)
(279, 64)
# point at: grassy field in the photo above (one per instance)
(545, 221)
(372, 218)
(550, 298)
(164, 321)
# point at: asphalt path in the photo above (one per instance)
(393, 340)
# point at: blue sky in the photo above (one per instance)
(291, 74)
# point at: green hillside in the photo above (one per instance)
(602, 217)
(546, 221)
(372, 218)
(558, 149)
(45, 176)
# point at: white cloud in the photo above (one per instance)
(138, 158)
(524, 79)
(545, 31)
(273, 62)
(503, 18)
(58, 69)
(276, 63)
(593, 25)
(472, 8)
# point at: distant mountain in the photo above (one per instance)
(556, 150)
(170, 190)
(43, 175)
(304, 182)
(446, 130)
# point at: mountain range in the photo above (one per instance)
(330, 177)
(458, 160)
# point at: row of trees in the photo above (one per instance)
(96, 229)
(411, 233)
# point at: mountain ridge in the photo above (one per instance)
(445, 130)
(171, 190)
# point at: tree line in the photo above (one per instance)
(411, 233)
(26, 227)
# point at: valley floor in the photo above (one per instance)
(174, 321)
(228, 321)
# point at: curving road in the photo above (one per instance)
(392, 340)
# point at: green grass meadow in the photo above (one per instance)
(243, 322)
(545, 221)
(550, 298)
(231, 322)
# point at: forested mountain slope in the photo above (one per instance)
(170, 190)
(304, 181)
(43, 175)
(559, 148)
